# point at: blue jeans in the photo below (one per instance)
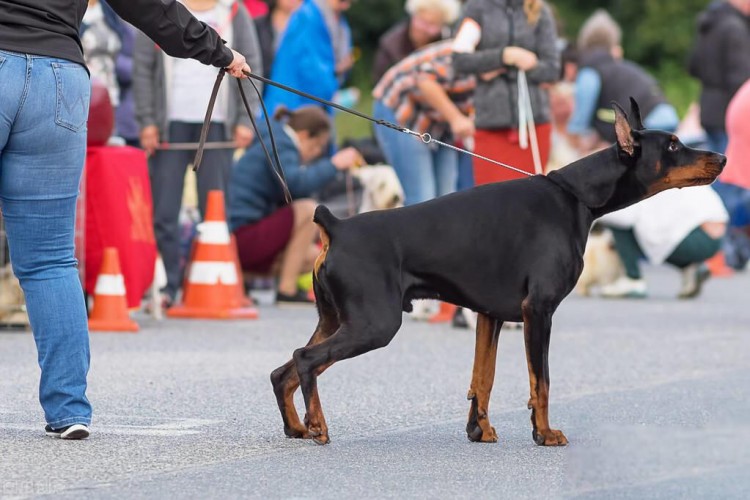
(44, 106)
(424, 171)
(737, 202)
(662, 117)
(717, 140)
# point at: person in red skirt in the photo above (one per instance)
(496, 41)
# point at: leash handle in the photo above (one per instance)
(207, 120)
(526, 125)
(277, 169)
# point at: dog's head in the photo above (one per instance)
(641, 164)
(658, 160)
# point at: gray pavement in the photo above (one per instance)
(653, 396)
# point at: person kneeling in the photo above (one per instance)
(274, 237)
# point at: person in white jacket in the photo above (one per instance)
(682, 227)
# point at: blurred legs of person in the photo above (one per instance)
(717, 140)
(167, 184)
(281, 243)
(465, 172)
(425, 171)
(689, 256)
(42, 154)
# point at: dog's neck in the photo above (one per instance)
(601, 181)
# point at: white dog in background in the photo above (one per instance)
(601, 264)
(381, 188)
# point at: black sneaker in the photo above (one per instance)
(298, 299)
(75, 431)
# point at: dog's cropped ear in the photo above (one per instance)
(635, 116)
(625, 139)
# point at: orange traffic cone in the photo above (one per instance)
(212, 288)
(110, 312)
(445, 314)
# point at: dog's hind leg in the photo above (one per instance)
(478, 427)
(285, 380)
(351, 339)
(537, 319)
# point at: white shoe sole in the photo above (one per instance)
(74, 432)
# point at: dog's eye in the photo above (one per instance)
(673, 147)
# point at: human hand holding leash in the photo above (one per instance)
(519, 57)
(347, 158)
(149, 139)
(462, 126)
(238, 67)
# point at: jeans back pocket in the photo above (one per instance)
(73, 95)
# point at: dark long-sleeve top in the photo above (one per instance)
(503, 23)
(51, 27)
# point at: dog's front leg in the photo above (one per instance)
(478, 427)
(537, 328)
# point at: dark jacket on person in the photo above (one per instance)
(621, 79)
(255, 191)
(50, 28)
(393, 45)
(267, 40)
(504, 24)
(720, 59)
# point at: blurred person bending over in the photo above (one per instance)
(313, 55)
(604, 76)
(720, 59)
(171, 97)
(273, 237)
(427, 23)
(423, 94)
(682, 227)
(496, 40)
(44, 94)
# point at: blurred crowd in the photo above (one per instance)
(500, 78)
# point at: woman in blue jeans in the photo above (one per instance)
(44, 102)
(423, 93)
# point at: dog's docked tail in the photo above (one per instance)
(327, 223)
(325, 219)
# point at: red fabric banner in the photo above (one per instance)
(119, 213)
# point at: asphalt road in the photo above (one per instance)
(653, 395)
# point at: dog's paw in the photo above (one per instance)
(549, 437)
(476, 435)
(296, 432)
(318, 435)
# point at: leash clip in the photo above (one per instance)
(426, 138)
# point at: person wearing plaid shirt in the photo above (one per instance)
(424, 94)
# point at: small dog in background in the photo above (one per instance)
(381, 188)
(601, 263)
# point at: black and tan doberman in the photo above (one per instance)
(511, 251)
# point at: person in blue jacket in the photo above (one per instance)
(273, 237)
(314, 54)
